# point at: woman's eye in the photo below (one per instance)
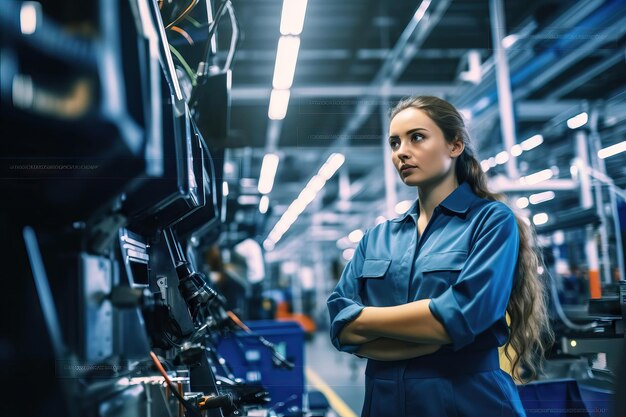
(393, 144)
(416, 136)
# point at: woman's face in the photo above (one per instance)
(419, 150)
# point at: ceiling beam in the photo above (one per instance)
(334, 54)
(260, 95)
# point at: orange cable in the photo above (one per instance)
(184, 33)
(192, 4)
(238, 322)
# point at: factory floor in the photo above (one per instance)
(337, 375)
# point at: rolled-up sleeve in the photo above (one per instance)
(480, 296)
(344, 303)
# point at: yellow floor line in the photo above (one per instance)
(335, 401)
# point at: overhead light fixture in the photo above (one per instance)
(532, 142)
(29, 12)
(268, 245)
(268, 173)
(279, 101)
(537, 177)
(248, 200)
(541, 197)
(522, 202)
(612, 150)
(224, 189)
(264, 204)
(516, 150)
(307, 195)
(502, 157)
(332, 164)
(298, 206)
(481, 104)
(485, 165)
(578, 121)
(286, 58)
(421, 10)
(509, 40)
(292, 17)
(355, 236)
(403, 206)
(466, 114)
(348, 254)
(316, 183)
(540, 218)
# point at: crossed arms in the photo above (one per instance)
(395, 333)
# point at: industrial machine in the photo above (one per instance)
(112, 133)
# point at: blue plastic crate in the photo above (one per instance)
(250, 360)
(564, 397)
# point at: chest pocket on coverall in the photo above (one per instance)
(438, 272)
(372, 279)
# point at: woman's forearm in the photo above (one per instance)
(384, 349)
(411, 322)
(353, 335)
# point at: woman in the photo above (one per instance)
(425, 295)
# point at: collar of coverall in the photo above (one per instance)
(458, 202)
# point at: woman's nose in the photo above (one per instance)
(402, 151)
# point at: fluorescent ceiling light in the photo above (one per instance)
(331, 165)
(268, 173)
(316, 183)
(348, 254)
(421, 10)
(403, 206)
(540, 218)
(298, 206)
(578, 121)
(288, 218)
(286, 58)
(268, 245)
(344, 243)
(307, 195)
(522, 202)
(537, 177)
(532, 142)
(612, 150)
(28, 17)
(247, 200)
(502, 157)
(224, 189)
(509, 40)
(279, 101)
(516, 150)
(355, 236)
(541, 197)
(264, 204)
(292, 17)
(485, 165)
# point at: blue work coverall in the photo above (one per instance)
(465, 261)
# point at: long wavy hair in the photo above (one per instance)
(530, 331)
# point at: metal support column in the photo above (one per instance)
(586, 200)
(390, 172)
(599, 165)
(505, 97)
